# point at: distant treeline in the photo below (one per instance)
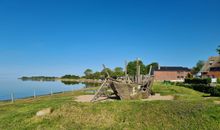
(70, 77)
(39, 78)
(120, 72)
(114, 73)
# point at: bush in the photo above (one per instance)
(198, 87)
(198, 81)
(168, 82)
(218, 80)
(201, 87)
(214, 91)
(180, 84)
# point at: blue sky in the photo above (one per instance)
(50, 37)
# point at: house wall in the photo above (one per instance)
(213, 74)
(170, 75)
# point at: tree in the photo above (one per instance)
(97, 75)
(103, 72)
(198, 67)
(132, 68)
(118, 72)
(154, 67)
(70, 77)
(88, 72)
(218, 50)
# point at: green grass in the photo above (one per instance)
(189, 110)
(180, 93)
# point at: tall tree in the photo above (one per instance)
(198, 67)
(97, 75)
(105, 71)
(154, 66)
(118, 72)
(88, 72)
(132, 68)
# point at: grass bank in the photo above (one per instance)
(189, 110)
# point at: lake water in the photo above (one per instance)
(22, 89)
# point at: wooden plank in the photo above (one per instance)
(97, 95)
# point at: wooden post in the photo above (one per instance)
(139, 74)
(138, 71)
(126, 70)
(34, 93)
(12, 97)
(150, 70)
(51, 92)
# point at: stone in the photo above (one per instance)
(44, 112)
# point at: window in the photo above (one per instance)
(180, 77)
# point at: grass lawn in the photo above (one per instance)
(190, 110)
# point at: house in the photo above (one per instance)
(211, 68)
(171, 73)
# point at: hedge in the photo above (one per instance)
(201, 85)
(198, 81)
(201, 88)
(218, 80)
(214, 91)
(198, 87)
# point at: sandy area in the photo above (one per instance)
(88, 98)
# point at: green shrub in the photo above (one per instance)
(218, 80)
(188, 86)
(214, 91)
(167, 82)
(201, 87)
(180, 84)
(198, 81)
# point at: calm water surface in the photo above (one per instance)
(22, 89)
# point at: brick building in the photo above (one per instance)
(166, 73)
(211, 68)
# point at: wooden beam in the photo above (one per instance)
(138, 71)
(106, 71)
(126, 70)
(98, 93)
(150, 70)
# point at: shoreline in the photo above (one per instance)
(60, 92)
(46, 95)
(80, 80)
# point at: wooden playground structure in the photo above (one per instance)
(127, 87)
